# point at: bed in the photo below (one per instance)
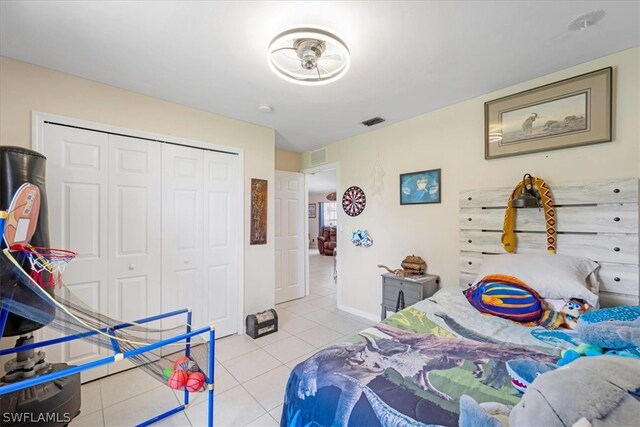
(412, 368)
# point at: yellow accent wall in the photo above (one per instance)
(289, 161)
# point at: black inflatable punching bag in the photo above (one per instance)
(17, 166)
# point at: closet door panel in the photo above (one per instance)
(221, 182)
(182, 232)
(134, 231)
(77, 196)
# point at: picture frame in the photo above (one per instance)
(312, 210)
(423, 187)
(568, 113)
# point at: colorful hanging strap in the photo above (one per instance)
(508, 230)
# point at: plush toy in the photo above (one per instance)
(195, 382)
(572, 310)
(612, 328)
(506, 297)
(594, 391)
(524, 371)
(489, 414)
(610, 331)
(571, 354)
(178, 379)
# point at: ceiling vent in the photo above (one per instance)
(373, 121)
(318, 157)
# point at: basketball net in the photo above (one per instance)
(47, 264)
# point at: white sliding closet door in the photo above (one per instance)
(156, 227)
(134, 231)
(221, 240)
(182, 231)
(77, 194)
(200, 239)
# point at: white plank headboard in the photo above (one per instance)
(597, 219)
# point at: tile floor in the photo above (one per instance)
(250, 374)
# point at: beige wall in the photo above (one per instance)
(452, 139)
(288, 161)
(25, 88)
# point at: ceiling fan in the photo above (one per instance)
(308, 56)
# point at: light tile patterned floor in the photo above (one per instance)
(250, 374)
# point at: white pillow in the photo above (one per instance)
(551, 275)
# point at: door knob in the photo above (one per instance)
(186, 260)
(132, 266)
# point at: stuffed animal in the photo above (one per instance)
(594, 391)
(572, 310)
(611, 331)
(613, 328)
(524, 371)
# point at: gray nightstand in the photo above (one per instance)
(414, 289)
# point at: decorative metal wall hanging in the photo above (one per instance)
(258, 212)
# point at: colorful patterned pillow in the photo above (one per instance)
(507, 297)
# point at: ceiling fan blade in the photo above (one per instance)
(303, 70)
(288, 55)
(334, 57)
(282, 48)
(323, 69)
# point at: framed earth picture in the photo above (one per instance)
(568, 113)
(422, 187)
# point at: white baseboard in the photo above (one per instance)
(351, 310)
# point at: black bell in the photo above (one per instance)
(528, 197)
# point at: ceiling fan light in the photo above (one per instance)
(308, 56)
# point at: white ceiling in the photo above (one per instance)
(408, 58)
(322, 182)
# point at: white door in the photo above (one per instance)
(134, 231)
(289, 234)
(77, 194)
(182, 232)
(221, 240)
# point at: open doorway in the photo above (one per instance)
(323, 227)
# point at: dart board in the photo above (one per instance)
(353, 201)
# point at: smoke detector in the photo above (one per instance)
(308, 56)
(586, 20)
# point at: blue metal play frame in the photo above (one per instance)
(117, 355)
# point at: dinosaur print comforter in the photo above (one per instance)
(412, 368)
